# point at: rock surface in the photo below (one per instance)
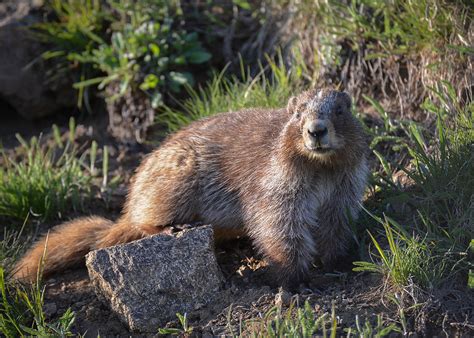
(24, 84)
(147, 282)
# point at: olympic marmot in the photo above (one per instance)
(288, 178)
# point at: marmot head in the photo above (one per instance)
(323, 123)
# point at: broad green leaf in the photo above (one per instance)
(197, 56)
(244, 4)
(150, 82)
(155, 49)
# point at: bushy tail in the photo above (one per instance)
(67, 244)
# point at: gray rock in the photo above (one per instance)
(282, 298)
(147, 282)
(24, 84)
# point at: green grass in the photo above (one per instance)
(268, 89)
(44, 178)
(430, 247)
(21, 306)
(13, 244)
(21, 312)
(399, 27)
(295, 321)
(389, 50)
(409, 259)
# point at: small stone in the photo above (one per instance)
(282, 298)
(147, 282)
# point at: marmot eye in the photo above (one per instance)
(339, 111)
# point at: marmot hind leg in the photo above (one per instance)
(164, 190)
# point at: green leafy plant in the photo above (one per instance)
(147, 56)
(76, 28)
(138, 45)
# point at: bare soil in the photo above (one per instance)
(247, 294)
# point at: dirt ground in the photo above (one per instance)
(247, 292)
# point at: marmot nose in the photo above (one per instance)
(317, 130)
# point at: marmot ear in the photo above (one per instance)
(291, 107)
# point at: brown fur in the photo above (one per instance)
(255, 171)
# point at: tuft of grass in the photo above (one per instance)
(13, 244)
(21, 312)
(400, 27)
(409, 259)
(306, 322)
(444, 170)
(48, 179)
(433, 247)
(268, 89)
